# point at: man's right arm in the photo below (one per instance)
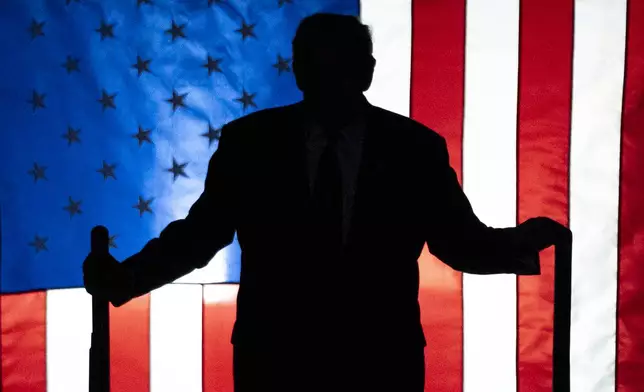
(189, 243)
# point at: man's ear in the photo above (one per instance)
(298, 78)
(370, 66)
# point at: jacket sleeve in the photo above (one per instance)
(456, 236)
(189, 243)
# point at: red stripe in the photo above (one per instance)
(22, 342)
(218, 319)
(630, 304)
(130, 346)
(543, 142)
(437, 94)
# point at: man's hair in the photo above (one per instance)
(344, 32)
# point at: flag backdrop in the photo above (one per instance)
(111, 110)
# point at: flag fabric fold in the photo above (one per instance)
(112, 110)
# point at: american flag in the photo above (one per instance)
(111, 111)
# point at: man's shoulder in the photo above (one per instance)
(261, 119)
(254, 126)
(405, 128)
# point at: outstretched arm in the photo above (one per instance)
(189, 243)
(458, 238)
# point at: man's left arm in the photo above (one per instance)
(456, 236)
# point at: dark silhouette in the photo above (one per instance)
(330, 237)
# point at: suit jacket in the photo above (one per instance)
(295, 290)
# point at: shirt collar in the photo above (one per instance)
(352, 129)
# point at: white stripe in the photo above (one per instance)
(390, 23)
(68, 334)
(217, 269)
(598, 73)
(489, 180)
(225, 294)
(176, 338)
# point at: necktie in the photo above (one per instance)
(326, 201)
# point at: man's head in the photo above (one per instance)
(332, 56)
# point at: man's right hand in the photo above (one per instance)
(102, 275)
(542, 232)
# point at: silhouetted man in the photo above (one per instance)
(333, 200)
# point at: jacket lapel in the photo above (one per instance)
(295, 154)
(371, 164)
